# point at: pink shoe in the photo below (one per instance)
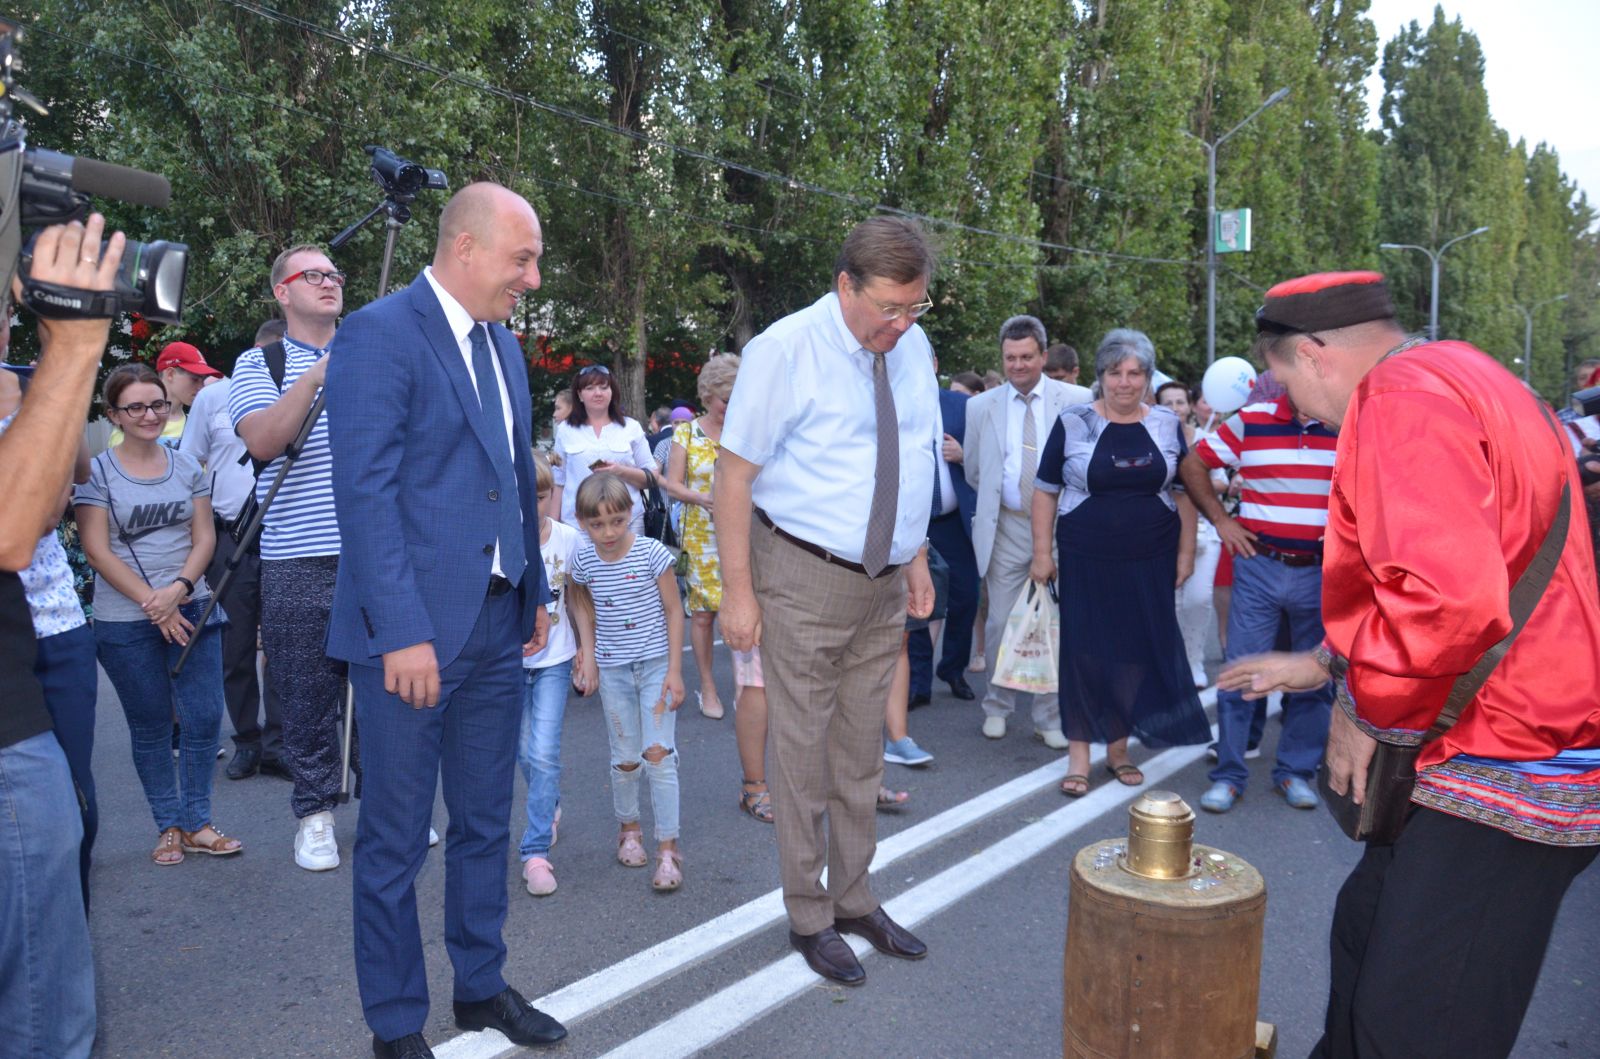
(630, 849)
(669, 871)
(539, 876)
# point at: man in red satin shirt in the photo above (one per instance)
(1447, 478)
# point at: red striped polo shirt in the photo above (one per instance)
(1285, 470)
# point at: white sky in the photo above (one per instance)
(1541, 67)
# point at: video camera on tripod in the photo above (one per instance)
(43, 187)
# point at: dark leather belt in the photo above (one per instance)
(1293, 559)
(821, 553)
(499, 586)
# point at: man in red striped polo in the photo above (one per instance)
(1285, 465)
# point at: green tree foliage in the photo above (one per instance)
(696, 164)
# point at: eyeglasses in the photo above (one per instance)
(594, 369)
(138, 409)
(315, 277)
(891, 313)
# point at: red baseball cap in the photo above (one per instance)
(183, 355)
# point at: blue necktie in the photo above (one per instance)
(513, 557)
(938, 497)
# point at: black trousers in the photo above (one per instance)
(952, 542)
(1437, 941)
(244, 693)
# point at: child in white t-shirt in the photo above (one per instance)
(624, 588)
(548, 677)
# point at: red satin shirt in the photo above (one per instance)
(1447, 477)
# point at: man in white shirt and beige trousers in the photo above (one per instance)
(823, 491)
(1006, 430)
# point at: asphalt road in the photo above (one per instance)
(251, 956)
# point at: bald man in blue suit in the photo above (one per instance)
(440, 590)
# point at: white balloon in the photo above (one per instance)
(1227, 384)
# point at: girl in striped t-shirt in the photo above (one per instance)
(624, 593)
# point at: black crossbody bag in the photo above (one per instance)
(1392, 773)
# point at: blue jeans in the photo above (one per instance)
(65, 668)
(629, 694)
(139, 662)
(1265, 591)
(46, 972)
(544, 703)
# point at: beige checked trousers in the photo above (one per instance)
(829, 640)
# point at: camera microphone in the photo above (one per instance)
(90, 176)
(94, 177)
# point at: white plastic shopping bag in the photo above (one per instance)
(1032, 644)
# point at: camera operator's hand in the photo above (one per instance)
(69, 255)
(1590, 461)
(318, 372)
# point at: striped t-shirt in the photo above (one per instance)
(301, 521)
(629, 624)
(1285, 469)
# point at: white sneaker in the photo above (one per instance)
(433, 838)
(994, 727)
(1052, 738)
(314, 848)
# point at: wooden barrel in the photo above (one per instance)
(1162, 968)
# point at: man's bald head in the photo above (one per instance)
(488, 252)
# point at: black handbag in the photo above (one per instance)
(657, 519)
(1392, 773)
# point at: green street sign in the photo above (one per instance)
(1230, 231)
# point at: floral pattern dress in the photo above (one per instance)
(699, 536)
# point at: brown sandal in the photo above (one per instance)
(1125, 773)
(1075, 785)
(757, 803)
(216, 845)
(169, 850)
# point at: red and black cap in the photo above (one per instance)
(1324, 301)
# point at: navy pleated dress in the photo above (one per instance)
(1123, 667)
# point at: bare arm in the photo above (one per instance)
(1189, 520)
(733, 509)
(580, 608)
(266, 433)
(1042, 518)
(1196, 476)
(672, 606)
(38, 453)
(94, 533)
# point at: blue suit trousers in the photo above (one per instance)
(471, 737)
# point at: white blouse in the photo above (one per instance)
(579, 447)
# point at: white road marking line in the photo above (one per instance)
(725, 1013)
(631, 975)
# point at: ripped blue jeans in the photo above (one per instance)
(628, 694)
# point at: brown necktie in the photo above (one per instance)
(886, 476)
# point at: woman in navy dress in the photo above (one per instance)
(1105, 490)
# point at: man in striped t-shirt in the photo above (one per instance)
(1285, 465)
(299, 539)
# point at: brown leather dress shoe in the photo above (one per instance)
(829, 955)
(887, 936)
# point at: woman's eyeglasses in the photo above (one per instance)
(138, 409)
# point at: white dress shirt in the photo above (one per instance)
(461, 325)
(1010, 486)
(947, 488)
(802, 409)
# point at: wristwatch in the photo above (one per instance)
(187, 584)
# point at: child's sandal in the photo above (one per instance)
(669, 871)
(630, 849)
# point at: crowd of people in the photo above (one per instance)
(854, 530)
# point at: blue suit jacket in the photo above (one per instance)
(953, 407)
(413, 482)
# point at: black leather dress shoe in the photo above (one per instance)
(246, 762)
(887, 936)
(915, 701)
(509, 1012)
(961, 689)
(829, 955)
(411, 1046)
(272, 766)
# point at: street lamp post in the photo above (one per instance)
(1433, 256)
(1527, 334)
(1210, 147)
